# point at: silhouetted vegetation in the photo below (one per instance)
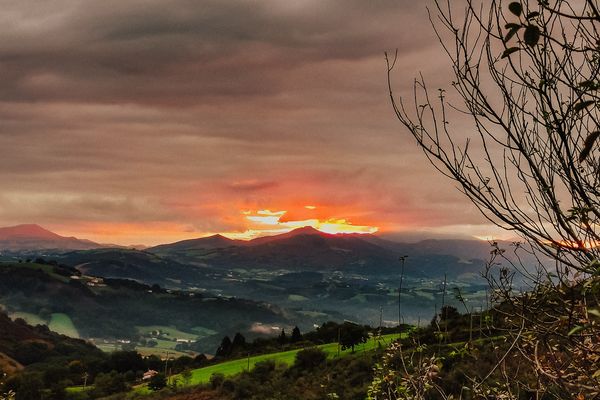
(529, 162)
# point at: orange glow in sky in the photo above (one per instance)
(569, 244)
(268, 222)
(251, 223)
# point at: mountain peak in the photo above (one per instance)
(27, 230)
(207, 242)
(218, 236)
(34, 237)
(305, 230)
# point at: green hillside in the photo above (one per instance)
(61, 323)
(90, 307)
(233, 367)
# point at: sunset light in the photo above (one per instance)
(269, 222)
(172, 132)
(265, 217)
(291, 199)
(333, 226)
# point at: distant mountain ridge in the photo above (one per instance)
(34, 237)
(309, 249)
(353, 275)
(219, 241)
(298, 250)
(132, 264)
(208, 242)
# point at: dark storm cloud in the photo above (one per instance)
(182, 52)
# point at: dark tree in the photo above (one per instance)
(109, 383)
(58, 391)
(225, 348)
(327, 332)
(154, 362)
(282, 339)
(449, 313)
(296, 335)
(123, 361)
(29, 387)
(352, 335)
(157, 382)
(156, 288)
(239, 342)
(200, 359)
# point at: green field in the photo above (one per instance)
(78, 389)
(165, 345)
(61, 323)
(168, 331)
(313, 314)
(160, 352)
(108, 347)
(203, 332)
(297, 297)
(228, 368)
(30, 318)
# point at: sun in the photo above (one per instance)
(268, 222)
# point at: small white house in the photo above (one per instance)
(149, 374)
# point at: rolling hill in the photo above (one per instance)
(205, 243)
(132, 264)
(233, 367)
(23, 345)
(115, 308)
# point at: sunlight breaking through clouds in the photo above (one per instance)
(269, 222)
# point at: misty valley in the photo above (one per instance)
(184, 297)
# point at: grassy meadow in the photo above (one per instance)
(228, 368)
(61, 323)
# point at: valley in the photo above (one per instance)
(179, 305)
(182, 298)
(124, 313)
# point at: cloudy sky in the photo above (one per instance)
(153, 121)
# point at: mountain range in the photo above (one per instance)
(316, 274)
(309, 249)
(298, 250)
(34, 237)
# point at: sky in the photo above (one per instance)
(145, 122)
